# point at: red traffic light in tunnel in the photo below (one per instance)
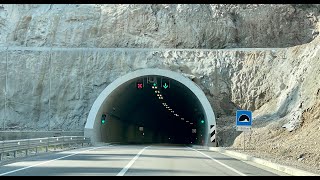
(139, 84)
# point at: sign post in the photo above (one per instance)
(243, 122)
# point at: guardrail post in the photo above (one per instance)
(62, 144)
(82, 141)
(0, 156)
(15, 154)
(36, 150)
(47, 145)
(28, 146)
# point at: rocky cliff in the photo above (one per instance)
(158, 26)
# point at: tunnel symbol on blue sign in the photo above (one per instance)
(244, 118)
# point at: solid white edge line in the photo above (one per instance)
(10, 172)
(232, 169)
(125, 169)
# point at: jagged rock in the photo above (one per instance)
(157, 25)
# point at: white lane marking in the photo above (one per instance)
(10, 172)
(232, 169)
(125, 169)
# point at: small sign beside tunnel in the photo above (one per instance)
(243, 119)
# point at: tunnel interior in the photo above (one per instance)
(153, 109)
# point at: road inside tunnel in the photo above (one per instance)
(152, 106)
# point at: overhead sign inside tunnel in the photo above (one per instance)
(151, 79)
(139, 84)
(165, 83)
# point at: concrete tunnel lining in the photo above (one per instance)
(92, 127)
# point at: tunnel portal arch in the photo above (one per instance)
(92, 129)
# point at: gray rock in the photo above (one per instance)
(157, 25)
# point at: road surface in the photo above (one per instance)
(134, 160)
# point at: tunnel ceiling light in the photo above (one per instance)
(187, 121)
(170, 109)
(157, 94)
(191, 123)
(182, 118)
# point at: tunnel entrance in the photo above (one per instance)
(152, 106)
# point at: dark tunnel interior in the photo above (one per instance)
(153, 109)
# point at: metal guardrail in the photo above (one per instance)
(27, 144)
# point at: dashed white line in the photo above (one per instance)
(20, 169)
(231, 168)
(125, 169)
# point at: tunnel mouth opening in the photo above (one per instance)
(151, 106)
(153, 110)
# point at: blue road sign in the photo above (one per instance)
(244, 118)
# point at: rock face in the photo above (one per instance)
(54, 88)
(158, 26)
(287, 124)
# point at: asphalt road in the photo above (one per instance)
(134, 160)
